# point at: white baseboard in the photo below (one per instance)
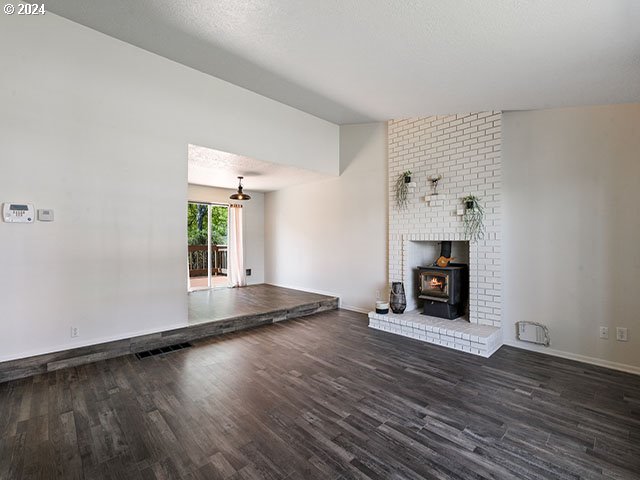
(351, 308)
(579, 358)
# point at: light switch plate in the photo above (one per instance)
(604, 333)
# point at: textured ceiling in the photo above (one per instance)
(352, 61)
(214, 168)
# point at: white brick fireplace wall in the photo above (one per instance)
(465, 150)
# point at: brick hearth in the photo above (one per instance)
(459, 334)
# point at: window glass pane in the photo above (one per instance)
(219, 224)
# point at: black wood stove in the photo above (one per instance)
(444, 291)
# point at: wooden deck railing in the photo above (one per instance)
(197, 258)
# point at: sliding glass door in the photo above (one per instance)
(207, 226)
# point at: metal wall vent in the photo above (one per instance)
(160, 351)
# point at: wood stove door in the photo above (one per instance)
(434, 286)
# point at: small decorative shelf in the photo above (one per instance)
(435, 200)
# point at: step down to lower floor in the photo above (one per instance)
(26, 367)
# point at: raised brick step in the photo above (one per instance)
(458, 334)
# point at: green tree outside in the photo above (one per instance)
(197, 224)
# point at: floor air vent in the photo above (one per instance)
(160, 351)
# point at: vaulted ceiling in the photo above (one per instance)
(351, 61)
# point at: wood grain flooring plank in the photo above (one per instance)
(322, 397)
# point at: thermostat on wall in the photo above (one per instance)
(18, 212)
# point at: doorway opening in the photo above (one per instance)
(207, 229)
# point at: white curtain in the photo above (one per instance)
(235, 262)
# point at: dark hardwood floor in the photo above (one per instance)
(322, 397)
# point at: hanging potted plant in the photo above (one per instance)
(473, 218)
(402, 188)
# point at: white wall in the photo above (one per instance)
(253, 225)
(98, 130)
(330, 236)
(572, 228)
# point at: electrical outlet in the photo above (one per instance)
(604, 333)
(75, 332)
(621, 334)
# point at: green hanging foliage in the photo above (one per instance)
(402, 189)
(473, 218)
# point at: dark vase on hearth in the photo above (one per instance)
(397, 298)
